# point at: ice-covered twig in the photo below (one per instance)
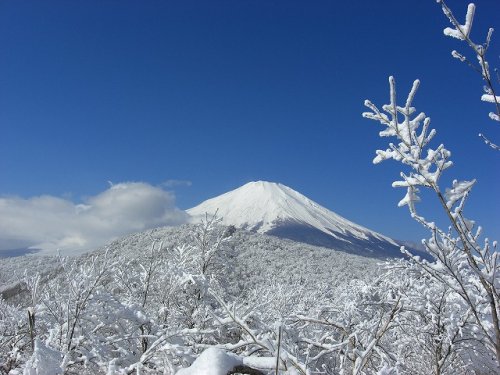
(459, 31)
(462, 32)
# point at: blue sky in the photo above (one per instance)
(220, 93)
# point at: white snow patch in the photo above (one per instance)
(212, 362)
(215, 361)
(43, 361)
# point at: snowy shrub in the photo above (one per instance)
(13, 339)
(152, 303)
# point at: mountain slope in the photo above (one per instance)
(276, 209)
(249, 261)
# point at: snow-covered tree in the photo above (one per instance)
(460, 265)
(13, 337)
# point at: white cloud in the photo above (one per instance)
(52, 223)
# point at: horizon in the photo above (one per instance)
(182, 102)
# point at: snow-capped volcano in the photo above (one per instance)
(276, 209)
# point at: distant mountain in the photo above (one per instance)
(275, 209)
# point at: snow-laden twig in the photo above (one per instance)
(462, 32)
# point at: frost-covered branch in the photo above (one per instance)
(460, 262)
(462, 33)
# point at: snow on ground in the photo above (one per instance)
(212, 362)
(215, 361)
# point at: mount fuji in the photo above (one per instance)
(275, 209)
